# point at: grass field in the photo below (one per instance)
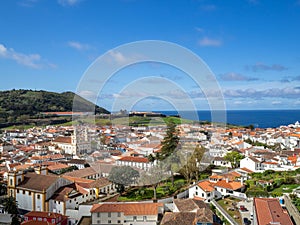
(286, 188)
(230, 203)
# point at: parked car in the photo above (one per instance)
(243, 208)
(246, 221)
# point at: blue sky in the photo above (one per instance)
(252, 46)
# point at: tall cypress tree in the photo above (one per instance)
(170, 141)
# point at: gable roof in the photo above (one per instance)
(269, 210)
(206, 186)
(232, 185)
(66, 140)
(128, 208)
(188, 205)
(89, 171)
(37, 182)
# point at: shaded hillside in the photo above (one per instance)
(15, 104)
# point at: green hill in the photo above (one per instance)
(15, 104)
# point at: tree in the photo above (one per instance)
(234, 158)
(170, 141)
(11, 207)
(191, 169)
(151, 158)
(123, 176)
(169, 145)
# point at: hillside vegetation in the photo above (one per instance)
(19, 105)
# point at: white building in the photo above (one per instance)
(126, 213)
(251, 163)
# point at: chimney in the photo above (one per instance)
(227, 180)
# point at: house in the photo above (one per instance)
(189, 211)
(221, 161)
(226, 187)
(49, 218)
(88, 173)
(251, 163)
(269, 211)
(79, 163)
(57, 168)
(126, 213)
(218, 186)
(204, 190)
(5, 146)
(138, 162)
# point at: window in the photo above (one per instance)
(11, 182)
(119, 214)
(34, 218)
(109, 214)
(134, 217)
(53, 220)
(29, 192)
(202, 194)
(98, 214)
(98, 221)
(23, 192)
(38, 196)
(109, 221)
(145, 218)
(119, 221)
(208, 194)
(17, 191)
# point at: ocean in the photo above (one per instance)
(258, 118)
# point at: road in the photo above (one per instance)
(249, 206)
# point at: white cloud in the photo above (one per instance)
(210, 42)
(30, 60)
(276, 102)
(68, 2)
(120, 58)
(78, 46)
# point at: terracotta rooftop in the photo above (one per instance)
(232, 185)
(33, 181)
(44, 214)
(89, 171)
(134, 159)
(63, 140)
(128, 208)
(206, 186)
(268, 211)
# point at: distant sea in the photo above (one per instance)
(258, 118)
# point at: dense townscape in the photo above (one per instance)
(71, 175)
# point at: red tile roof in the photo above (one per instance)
(268, 210)
(134, 159)
(206, 186)
(63, 140)
(128, 208)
